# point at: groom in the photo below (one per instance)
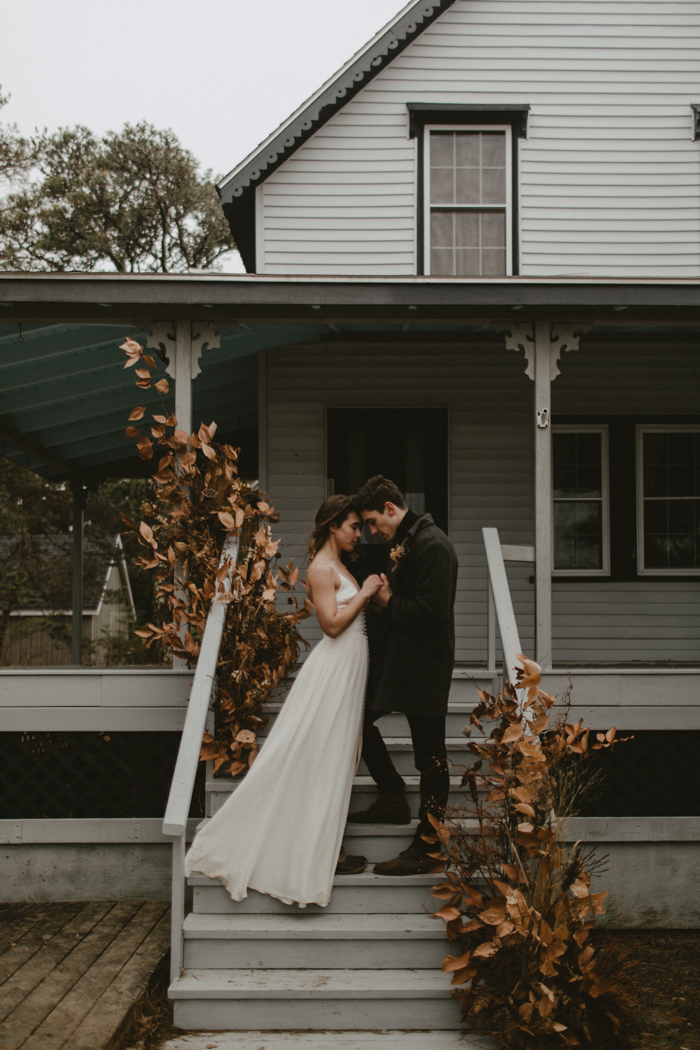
(412, 668)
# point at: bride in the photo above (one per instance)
(281, 830)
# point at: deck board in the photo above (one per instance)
(24, 933)
(119, 998)
(71, 973)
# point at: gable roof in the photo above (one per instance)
(237, 189)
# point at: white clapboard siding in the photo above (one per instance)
(609, 174)
(489, 401)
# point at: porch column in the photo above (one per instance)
(181, 370)
(543, 495)
(79, 496)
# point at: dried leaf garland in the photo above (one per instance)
(527, 971)
(199, 499)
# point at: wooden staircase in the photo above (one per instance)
(370, 960)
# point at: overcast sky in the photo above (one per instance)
(222, 73)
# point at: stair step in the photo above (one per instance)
(395, 724)
(226, 999)
(352, 895)
(379, 841)
(324, 1040)
(322, 941)
(382, 841)
(364, 792)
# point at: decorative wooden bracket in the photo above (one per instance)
(564, 338)
(203, 336)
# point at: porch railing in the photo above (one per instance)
(180, 798)
(500, 604)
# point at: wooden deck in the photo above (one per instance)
(71, 972)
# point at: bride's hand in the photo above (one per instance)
(370, 587)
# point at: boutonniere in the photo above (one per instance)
(396, 554)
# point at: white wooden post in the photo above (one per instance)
(181, 370)
(543, 495)
(78, 572)
(490, 629)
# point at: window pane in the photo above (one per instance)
(578, 535)
(493, 149)
(442, 186)
(493, 229)
(467, 148)
(442, 229)
(467, 229)
(671, 534)
(466, 262)
(577, 465)
(468, 186)
(493, 186)
(442, 149)
(493, 262)
(442, 262)
(655, 464)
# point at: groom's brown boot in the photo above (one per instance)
(411, 861)
(392, 808)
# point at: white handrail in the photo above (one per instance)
(180, 797)
(500, 602)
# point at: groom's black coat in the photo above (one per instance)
(412, 661)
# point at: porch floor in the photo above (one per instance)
(71, 972)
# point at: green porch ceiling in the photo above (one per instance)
(64, 391)
(65, 395)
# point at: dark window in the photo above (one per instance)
(408, 445)
(579, 466)
(669, 512)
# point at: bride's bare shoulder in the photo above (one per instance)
(321, 572)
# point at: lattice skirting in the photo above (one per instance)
(54, 775)
(653, 775)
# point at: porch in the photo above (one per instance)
(281, 363)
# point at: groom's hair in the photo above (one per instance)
(376, 493)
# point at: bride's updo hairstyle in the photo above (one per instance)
(331, 514)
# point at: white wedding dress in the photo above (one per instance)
(281, 830)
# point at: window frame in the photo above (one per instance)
(588, 428)
(658, 428)
(507, 129)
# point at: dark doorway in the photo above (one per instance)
(408, 445)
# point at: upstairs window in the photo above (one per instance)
(668, 500)
(468, 214)
(580, 495)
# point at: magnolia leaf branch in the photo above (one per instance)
(199, 499)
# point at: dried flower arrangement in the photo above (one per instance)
(517, 899)
(199, 500)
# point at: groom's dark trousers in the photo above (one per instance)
(428, 735)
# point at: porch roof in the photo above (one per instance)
(138, 298)
(65, 397)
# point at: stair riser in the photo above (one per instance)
(318, 1014)
(321, 954)
(376, 847)
(404, 762)
(396, 725)
(345, 900)
(362, 797)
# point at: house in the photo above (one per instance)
(39, 630)
(474, 265)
